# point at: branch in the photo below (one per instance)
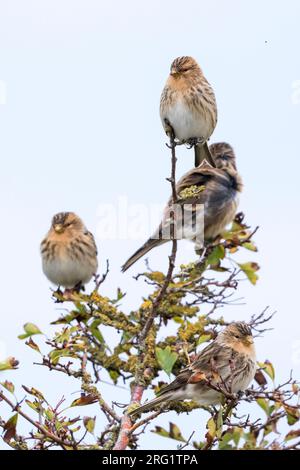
(138, 389)
(172, 257)
(37, 425)
(125, 428)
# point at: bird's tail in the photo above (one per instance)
(202, 153)
(151, 404)
(151, 243)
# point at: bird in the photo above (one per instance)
(188, 107)
(207, 202)
(69, 252)
(228, 362)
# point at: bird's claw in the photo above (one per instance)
(195, 141)
(169, 129)
(79, 287)
(239, 395)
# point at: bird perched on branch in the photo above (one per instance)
(69, 252)
(228, 363)
(188, 106)
(207, 200)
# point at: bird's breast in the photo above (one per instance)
(67, 265)
(242, 380)
(186, 120)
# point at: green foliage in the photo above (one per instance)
(173, 433)
(79, 349)
(166, 359)
(8, 364)
(191, 192)
(30, 330)
(250, 270)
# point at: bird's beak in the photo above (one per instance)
(58, 228)
(174, 73)
(249, 340)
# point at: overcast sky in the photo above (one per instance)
(80, 83)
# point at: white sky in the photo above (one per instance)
(80, 83)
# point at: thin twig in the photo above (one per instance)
(40, 427)
(138, 388)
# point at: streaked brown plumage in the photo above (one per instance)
(217, 201)
(230, 359)
(69, 252)
(188, 106)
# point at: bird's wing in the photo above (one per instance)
(219, 188)
(214, 362)
(201, 176)
(92, 241)
(202, 194)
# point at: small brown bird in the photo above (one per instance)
(188, 106)
(205, 193)
(69, 252)
(229, 361)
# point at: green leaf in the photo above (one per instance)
(114, 375)
(120, 296)
(218, 268)
(34, 392)
(292, 435)
(84, 400)
(203, 339)
(292, 414)
(49, 414)
(73, 430)
(56, 354)
(9, 363)
(226, 438)
(220, 422)
(178, 320)
(30, 330)
(89, 424)
(10, 428)
(34, 405)
(268, 368)
(8, 385)
(292, 419)
(237, 434)
(174, 432)
(58, 425)
(97, 333)
(250, 246)
(166, 358)
(160, 431)
(250, 270)
(216, 255)
(33, 345)
(264, 405)
(212, 429)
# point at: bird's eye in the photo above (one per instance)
(225, 157)
(237, 336)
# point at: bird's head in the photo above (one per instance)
(183, 66)
(238, 333)
(223, 155)
(66, 222)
